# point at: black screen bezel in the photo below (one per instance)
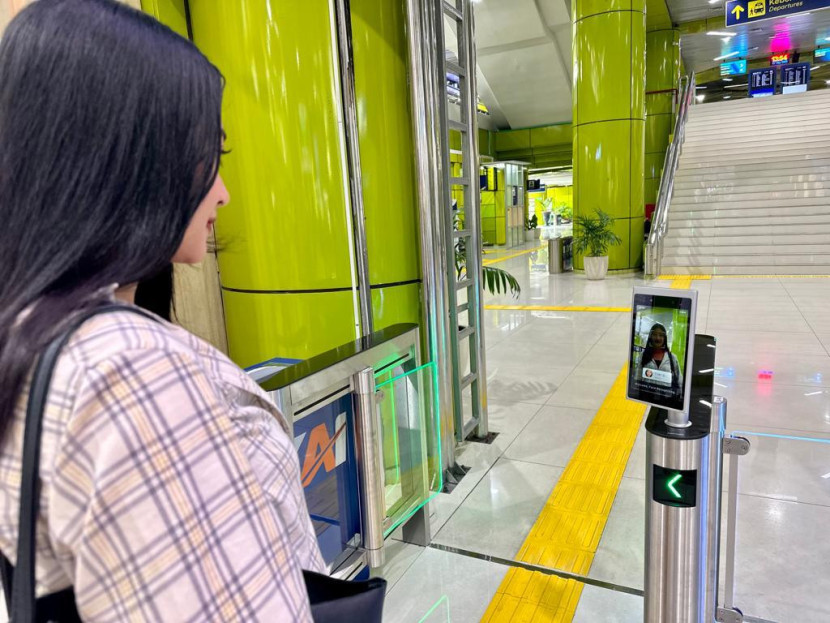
(643, 395)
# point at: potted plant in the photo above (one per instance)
(547, 210)
(530, 228)
(494, 280)
(565, 213)
(592, 237)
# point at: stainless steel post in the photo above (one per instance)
(370, 466)
(673, 573)
(426, 86)
(710, 535)
(349, 104)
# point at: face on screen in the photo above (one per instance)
(661, 331)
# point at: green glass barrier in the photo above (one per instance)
(403, 402)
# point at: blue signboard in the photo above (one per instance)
(733, 68)
(822, 55)
(762, 82)
(795, 78)
(747, 11)
(328, 471)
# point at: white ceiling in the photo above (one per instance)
(524, 61)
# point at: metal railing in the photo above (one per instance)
(660, 219)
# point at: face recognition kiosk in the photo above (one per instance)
(672, 369)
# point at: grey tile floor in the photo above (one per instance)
(548, 372)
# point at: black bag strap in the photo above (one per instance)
(22, 608)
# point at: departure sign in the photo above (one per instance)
(779, 59)
(748, 11)
(762, 82)
(821, 55)
(733, 68)
(795, 74)
(674, 487)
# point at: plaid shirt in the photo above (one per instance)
(170, 486)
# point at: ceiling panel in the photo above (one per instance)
(530, 90)
(502, 23)
(690, 10)
(524, 57)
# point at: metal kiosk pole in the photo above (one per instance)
(683, 491)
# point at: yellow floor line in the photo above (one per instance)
(568, 531)
(570, 308)
(569, 528)
(510, 257)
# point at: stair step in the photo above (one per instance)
(752, 260)
(696, 133)
(746, 249)
(750, 221)
(772, 213)
(749, 230)
(759, 163)
(727, 239)
(816, 144)
(720, 189)
(754, 122)
(743, 270)
(780, 195)
(721, 179)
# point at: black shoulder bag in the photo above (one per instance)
(331, 600)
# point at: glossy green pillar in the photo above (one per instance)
(285, 265)
(662, 79)
(387, 159)
(609, 38)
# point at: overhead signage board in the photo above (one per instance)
(762, 82)
(821, 55)
(733, 68)
(747, 11)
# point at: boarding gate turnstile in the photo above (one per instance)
(358, 418)
(683, 505)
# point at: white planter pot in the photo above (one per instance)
(531, 235)
(596, 267)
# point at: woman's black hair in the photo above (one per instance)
(110, 137)
(156, 293)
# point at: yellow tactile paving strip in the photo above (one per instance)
(570, 308)
(567, 532)
(496, 260)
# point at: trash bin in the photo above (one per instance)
(555, 255)
(560, 254)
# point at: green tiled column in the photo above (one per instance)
(662, 78)
(609, 41)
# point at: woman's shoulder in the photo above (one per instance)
(110, 336)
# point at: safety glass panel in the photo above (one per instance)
(403, 402)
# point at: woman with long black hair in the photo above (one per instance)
(657, 356)
(169, 486)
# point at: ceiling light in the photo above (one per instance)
(730, 55)
(827, 82)
(720, 33)
(727, 97)
(701, 87)
(827, 38)
(701, 97)
(727, 79)
(735, 86)
(713, 1)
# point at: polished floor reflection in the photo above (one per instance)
(548, 373)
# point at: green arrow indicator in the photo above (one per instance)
(737, 11)
(670, 484)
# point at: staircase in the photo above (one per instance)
(752, 189)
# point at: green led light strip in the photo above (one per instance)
(404, 375)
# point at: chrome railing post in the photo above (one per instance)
(654, 246)
(370, 465)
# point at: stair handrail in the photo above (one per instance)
(660, 218)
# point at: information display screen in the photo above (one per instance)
(762, 82)
(661, 345)
(674, 487)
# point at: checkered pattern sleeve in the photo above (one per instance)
(154, 509)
